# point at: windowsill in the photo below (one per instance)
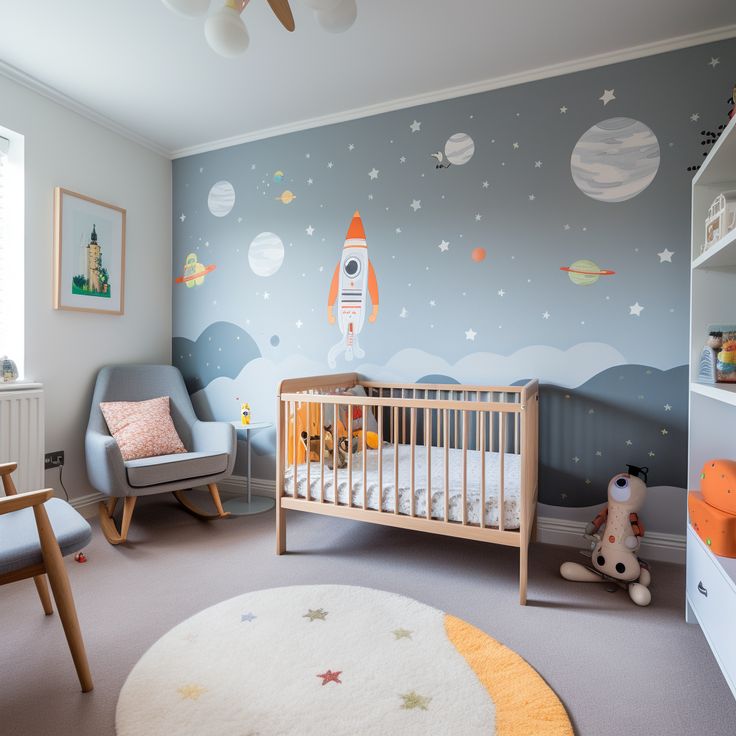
(20, 385)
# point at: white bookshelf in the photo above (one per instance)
(712, 423)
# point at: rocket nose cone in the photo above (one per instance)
(356, 214)
(355, 231)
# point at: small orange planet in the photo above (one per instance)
(478, 254)
(287, 197)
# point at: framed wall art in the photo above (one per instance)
(89, 254)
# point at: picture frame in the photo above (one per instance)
(89, 254)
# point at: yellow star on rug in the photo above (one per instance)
(402, 633)
(191, 692)
(414, 700)
(319, 615)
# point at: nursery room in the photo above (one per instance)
(367, 367)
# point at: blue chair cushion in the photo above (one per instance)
(19, 543)
(152, 471)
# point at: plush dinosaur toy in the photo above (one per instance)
(617, 532)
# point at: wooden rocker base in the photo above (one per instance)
(196, 511)
(107, 523)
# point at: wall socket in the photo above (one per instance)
(53, 459)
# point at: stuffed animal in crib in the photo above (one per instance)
(312, 446)
(617, 532)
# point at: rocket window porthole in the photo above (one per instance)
(352, 267)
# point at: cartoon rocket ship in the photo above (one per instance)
(353, 277)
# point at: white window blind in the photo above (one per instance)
(4, 306)
(11, 246)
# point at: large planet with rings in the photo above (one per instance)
(585, 272)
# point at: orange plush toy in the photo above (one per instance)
(713, 509)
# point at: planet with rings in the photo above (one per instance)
(286, 197)
(585, 272)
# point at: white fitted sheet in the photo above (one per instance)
(512, 483)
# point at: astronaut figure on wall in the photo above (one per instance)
(354, 279)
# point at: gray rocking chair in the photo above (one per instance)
(211, 457)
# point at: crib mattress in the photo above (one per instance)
(386, 498)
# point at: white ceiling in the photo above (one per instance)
(150, 71)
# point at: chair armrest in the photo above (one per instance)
(24, 500)
(214, 437)
(105, 464)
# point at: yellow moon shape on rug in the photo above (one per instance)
(334, 659)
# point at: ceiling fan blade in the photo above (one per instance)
(283, 13)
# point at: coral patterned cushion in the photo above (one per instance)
(142, 428)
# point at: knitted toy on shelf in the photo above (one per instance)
(617, 533)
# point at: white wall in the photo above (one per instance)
(64, 350)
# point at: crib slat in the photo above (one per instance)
(321, 453)
(296, 447)
(334, 453)
(365, 470)
(412, 464)
(465, 467)
(446, 422)
(396, 460)
(482, 418)
(350, 455)
(428, 443)
(501, 457)
(308, 451)
(516, 434)
(380, 453)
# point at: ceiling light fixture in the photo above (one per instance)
(227, 34)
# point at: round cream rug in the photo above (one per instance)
(333, 660)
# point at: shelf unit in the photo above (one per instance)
(712, 418)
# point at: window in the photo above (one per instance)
(11, 247)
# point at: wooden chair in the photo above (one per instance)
(31, 548)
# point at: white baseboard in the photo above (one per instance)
(564, 532)
(657, 546)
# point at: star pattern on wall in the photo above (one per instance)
(665, 256)
(636, 309)
(416, 126)
(607, 96)
(470, 334)
(444, 246)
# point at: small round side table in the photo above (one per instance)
(251, 504)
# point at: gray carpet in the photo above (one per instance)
(618, 668)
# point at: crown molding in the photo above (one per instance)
(26, 80)
(485, 85)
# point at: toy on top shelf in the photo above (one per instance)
(9, 371)
(617, 532)
(718, 358)
(721, 219)
(245, 414)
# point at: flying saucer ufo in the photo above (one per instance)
(585, 272)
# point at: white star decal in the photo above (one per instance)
(478, 217)
(531, 197)
(629, 443)
(636, 309)
(444, 246)
(432, 303)
(298, 324)
(665, 432)
(576, 459)
(666, 255)
(545, 315)
(537, 164)
(486, 185)
(515, 145)
(351, 147)
(651, 453)
(310, 181)
(416, 126)
(403, 314)
(416, 204)
(402, 160)
(309, 230)
(714, 62)
(607, 96)
(563, 109)
(373, 173)
(500, 292)
(398, 231)
(182, 217)
(667, 407)
(599, 453)
(470, 334)
(695, 117)
(330, 164)
(370, 196)
(266, 295)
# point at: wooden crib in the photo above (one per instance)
(450, 459)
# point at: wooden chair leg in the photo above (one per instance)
(215, 493)
(523, 571)
(62, 591)
(43, 593)
(107, 523)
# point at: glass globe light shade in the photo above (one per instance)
(340, 18)
(322, 4)
(226, 33)
(188, 8)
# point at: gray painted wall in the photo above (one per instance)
(575, 188)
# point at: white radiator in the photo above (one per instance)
(22, 434)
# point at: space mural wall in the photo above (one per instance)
(539, 231)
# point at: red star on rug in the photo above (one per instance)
(331, 676)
